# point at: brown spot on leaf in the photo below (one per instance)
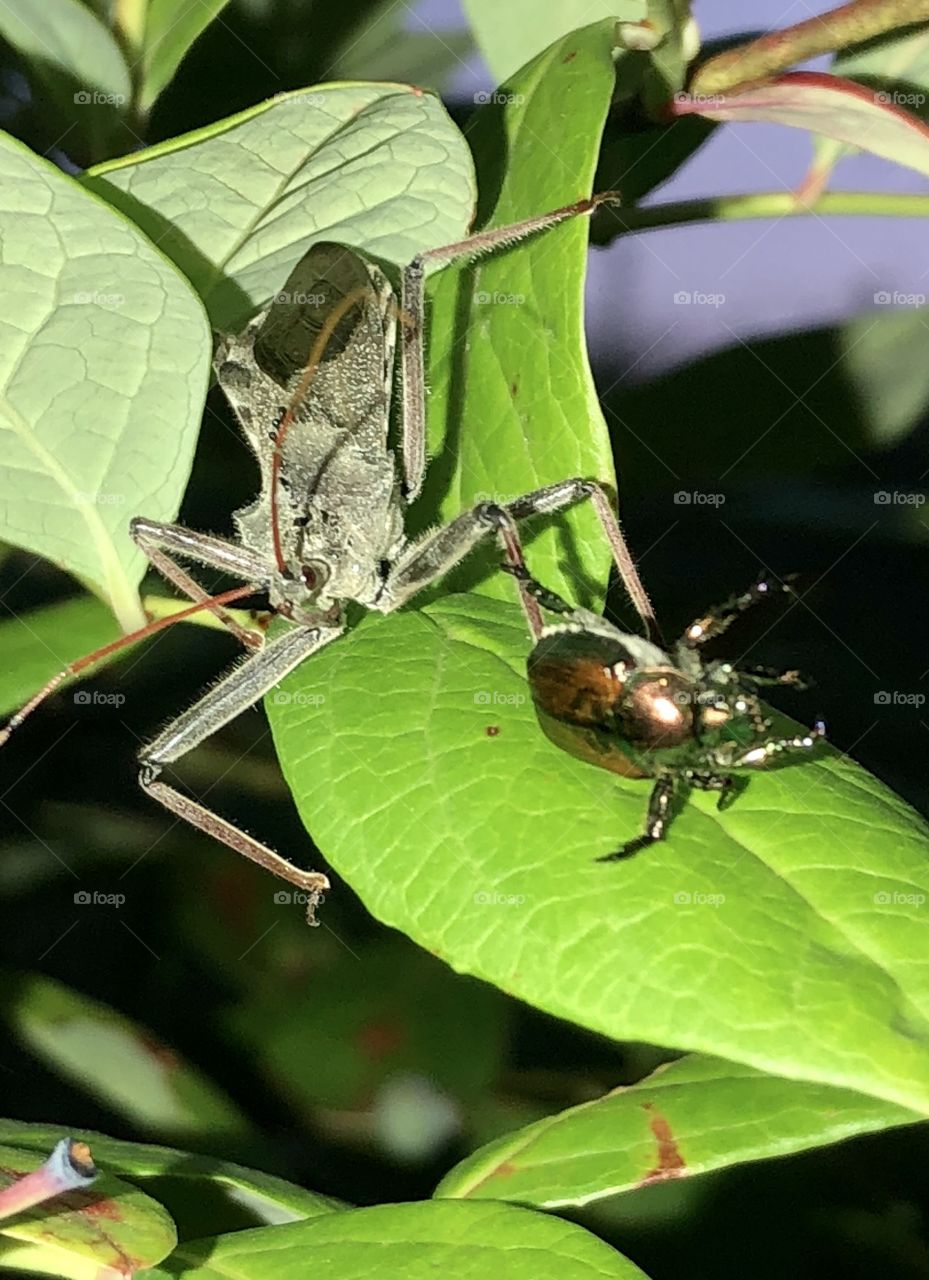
(506, 1169)
(492, 730)
(671, 1163)
(378, 1040)
(569, 57)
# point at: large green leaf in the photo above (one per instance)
(35, 646)
(171, 27)
(513, 404)
(83, 1234)
(81, 78)
(104, 360)
(416, 1241)
(237, 203)
(268, 1198)
(178, 1177)
(510, 35)
(787, 932)
(109, 1055)
(690, 1117)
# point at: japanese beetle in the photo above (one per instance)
(621, 702)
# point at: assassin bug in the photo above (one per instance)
(310, 382)
(622, 702)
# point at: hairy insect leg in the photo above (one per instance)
(759, 756)
(412, 304)
(716, 621)
(727, 786)
(770, 675)
(241, 688)
(152, 537)
(433, 555)
(660, 812)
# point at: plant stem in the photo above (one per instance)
(770, 204)
(849, 24)
(167, 606)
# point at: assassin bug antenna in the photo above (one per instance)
(91, 659)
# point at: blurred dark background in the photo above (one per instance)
(746, 436)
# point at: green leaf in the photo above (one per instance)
(268, 1198)
(104, 360)
(111, 1225)
(786, 932)
(110, 1056)
(171, 27)
(886, 358)
(35, 646)
(236, 204)
(78, 67)
(897, 66)
(512, 402)
(824, 104)
(378, 1011)
(416, 1241)
(690, 1117)
(510, 35)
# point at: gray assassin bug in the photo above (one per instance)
(310, 381)
(621, 702)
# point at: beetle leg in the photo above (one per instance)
(656, 823)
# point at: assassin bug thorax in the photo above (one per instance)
(310, 381)
(625, 704)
